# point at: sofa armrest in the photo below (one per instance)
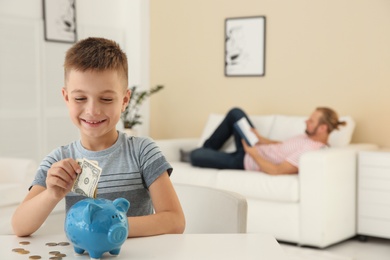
(16, 175)
(171, 147)
(327, 181)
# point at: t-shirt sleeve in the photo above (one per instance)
(294, 157)
(153, 162)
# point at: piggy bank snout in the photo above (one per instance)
(117, 234)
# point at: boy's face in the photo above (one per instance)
(95, 101)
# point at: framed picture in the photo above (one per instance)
(245, 46)
(60, 20)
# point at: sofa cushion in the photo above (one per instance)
(258, 185)
(262, 123)
(184, 173)
(11, 193)
(343, 136)
(285, 127)
(251, 184)
(16, 175)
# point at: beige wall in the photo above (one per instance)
(333, 53)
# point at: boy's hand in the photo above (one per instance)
(61, 176)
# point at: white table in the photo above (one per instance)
(169, 247)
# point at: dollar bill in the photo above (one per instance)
(80, 162)
(87, 181)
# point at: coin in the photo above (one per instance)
(24, 252)
(55, 258)
(61, 255)
(63, 244)
(51, 244)
(35, 257)
(24, 243)
(54, 252)
(17, 250)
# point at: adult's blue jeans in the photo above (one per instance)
(210, 156)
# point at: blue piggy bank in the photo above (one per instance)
(97, 226)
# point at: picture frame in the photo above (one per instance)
(245, 46)
(60, 20)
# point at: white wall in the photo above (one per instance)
(34, 119)
(318, 53)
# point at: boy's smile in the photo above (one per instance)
(95, 100)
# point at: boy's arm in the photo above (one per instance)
(168, 217)
(40, 201)
(33, 211)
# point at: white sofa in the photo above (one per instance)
(16, 176)
(316, 207)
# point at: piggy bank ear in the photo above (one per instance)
(122, 204)
(89, 211)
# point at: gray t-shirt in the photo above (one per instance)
(129, 167)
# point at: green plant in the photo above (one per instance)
(131, 116)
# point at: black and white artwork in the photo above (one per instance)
(60, 20)
(245, 46)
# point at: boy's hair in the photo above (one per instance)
(96, 54)
(330, 118)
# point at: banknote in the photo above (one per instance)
(80, 162)
(87, 181)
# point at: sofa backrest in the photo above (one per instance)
(285, 127)
(17, 170)
(280, 128)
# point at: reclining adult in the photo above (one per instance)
(268, 156)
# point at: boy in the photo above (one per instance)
(95, 92)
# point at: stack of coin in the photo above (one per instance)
(21, 251)
(51, 244)
(56, 255)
